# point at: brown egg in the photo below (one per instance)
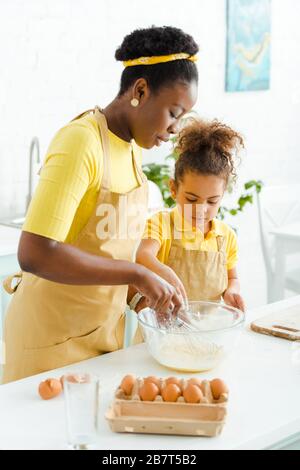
(173, 380)
(199, 383)
(154, 380)
(50, 388)
(73, 378)
(195, 381)
(218, 387)
(171, 392)
(62, 381)
(192, 394)
(148, 391)
(127, 384)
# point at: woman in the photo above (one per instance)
(77, 259)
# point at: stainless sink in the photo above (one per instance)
(17, 222)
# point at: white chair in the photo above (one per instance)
(278, 207)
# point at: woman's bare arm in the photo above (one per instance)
(66, 264)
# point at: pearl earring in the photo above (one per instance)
(134, 102)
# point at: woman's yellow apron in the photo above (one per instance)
(50, 325)
(203, 273)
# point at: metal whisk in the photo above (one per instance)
(180, 325)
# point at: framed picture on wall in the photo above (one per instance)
(248, 45)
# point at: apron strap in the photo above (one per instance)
(103, 129)
(74, 119)
(82, 114)
(140, 175)
(8, 282)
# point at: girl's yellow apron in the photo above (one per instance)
(50, 325)
(203, 273)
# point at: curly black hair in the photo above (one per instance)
(155, 41)
(209, 148)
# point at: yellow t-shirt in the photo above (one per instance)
(71, 177)
(159, 228)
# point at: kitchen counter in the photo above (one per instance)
(9, 240)
(263, 410)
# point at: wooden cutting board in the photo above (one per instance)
(285, 324)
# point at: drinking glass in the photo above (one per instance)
(81, 391)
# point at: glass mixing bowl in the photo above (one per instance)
(198, 339)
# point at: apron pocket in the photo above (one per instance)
(75, 349)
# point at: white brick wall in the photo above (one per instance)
(57, 59)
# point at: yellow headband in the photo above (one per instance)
(159, 59)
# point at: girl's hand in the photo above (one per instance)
(147, 257)
(234, 300)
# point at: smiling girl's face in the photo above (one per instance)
(198, 198)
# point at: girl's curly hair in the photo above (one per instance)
(207, 147)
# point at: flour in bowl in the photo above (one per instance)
(187, 352)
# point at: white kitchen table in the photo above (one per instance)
(287, 240)
(263, 410)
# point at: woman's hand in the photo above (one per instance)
(234, 300)
(142, 303)
(147, 256)
(160, 295)
(171, 277)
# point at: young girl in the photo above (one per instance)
(188, 246)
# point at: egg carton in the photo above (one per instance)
(129, 414)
